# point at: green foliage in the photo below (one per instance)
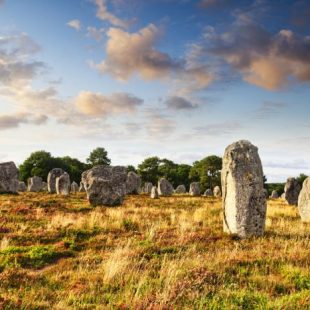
(148, 169)
(74, 167)
(132, 168)
(301, 178)
(279, 187)
(207, 171)
(98, 156)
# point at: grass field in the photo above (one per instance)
(60, 253)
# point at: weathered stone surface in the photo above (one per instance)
(194, 189)
(274, 195)
(208, 193)
(217, 191)
(164, 187)
(154, 193)
(266, 193)
(51, 179)
(304, 201)
(283, 196)
(35, 184)
(82, 188)
(244, 201)
(181, 189)
(74, 187)
(21, 187)
(133, 183)
(8, 178)
(44, 186)
(148, 188)
(63, 184)
(105, 185)
(291, 191)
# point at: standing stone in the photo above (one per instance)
(8, 178)
(133, 183)
(148, 187)
(181, 189)
(274, 195)
(304, 201)
(291, 190)
(82, 188)
(63, 184)
(208, 193)
(74, 187)
(154, 193)
(35, 184)
(51, 179)
(244, 201)
(217, 192)
(44, 186)
(105, 185)
(164, 187)
(194, 189)
(21, 187)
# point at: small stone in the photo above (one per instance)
(63, 184)
(133, 183)
(21, 187)
(217, 192)
(148, 188)
(274, 195)
(8, 178)
(208, 193)
(181, 189)
(44, 186)
(82, 188)
(74, 187)
(164, 187)
(51, 179)
(35, 184)
(194, 189)
(304, 201)
(292, 190)
(154, 193)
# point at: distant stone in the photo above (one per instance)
(74, 187)
(154, 193)
(51, 179)
(291, 191)
(283, 196)
(208, 193)
(244, 201)
(82, 188)
(164, 187)
(217, 192)
(63, 184)
(266, 193)
(181, 189)
(44, 186)
(35, 184)
(105, 185)
(194, 189)
(8, 178)
(304, 201)
(147, 188)
(21, 187)
(133, 183)
(274, 195)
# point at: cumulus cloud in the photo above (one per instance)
(98, 105)
(14, 120)
(75, 24)
(179, 103)
(104, 14)
(95, 33)
(264, 59)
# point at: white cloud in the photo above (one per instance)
(75, 24)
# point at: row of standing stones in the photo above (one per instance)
(243, 195)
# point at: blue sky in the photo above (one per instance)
(177, 79)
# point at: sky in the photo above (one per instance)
(178, 79)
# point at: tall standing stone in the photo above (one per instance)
(181, 189)
(105, 185)
(194, 189)
(63, 184)
(51, 179)
(164, 187)
(292, 190)
(304, 201)
(8, 178)
(154, 193)
(244, 201)
(217, 192)
(133, 183)
(74, 187)
(35, 184)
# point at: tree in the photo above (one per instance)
(148, 169)
(301, 178)
(207, 171)
(182, 175)
(98, 156)
(131, 168)
(38, 163)
(74, 167)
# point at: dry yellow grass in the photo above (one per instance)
(59, 253)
